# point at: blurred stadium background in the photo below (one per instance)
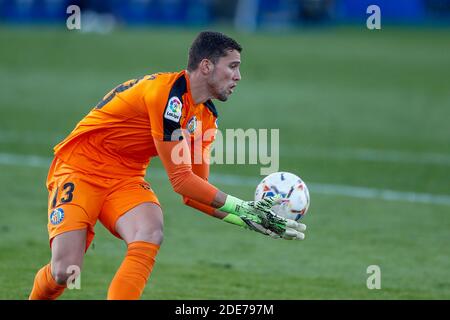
(363, 118)
(243, 14)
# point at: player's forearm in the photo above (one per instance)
(197, 189)
(213, 212)
(227, 208)
(219, 199)
(200, 206)
(188, 184)
(228, 217)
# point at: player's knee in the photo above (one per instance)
(61, 273)
(60, 277)
(152, 235)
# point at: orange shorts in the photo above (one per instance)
(78, 199)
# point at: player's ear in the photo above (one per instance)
(206, 66)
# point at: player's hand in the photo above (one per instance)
(255, 226)
(279, 226)
(258, 216)
(249, 222)
(294, 230)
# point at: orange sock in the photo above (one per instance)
(45, 287)
(132, 276)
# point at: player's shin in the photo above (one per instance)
(131, 278)
(45, 286)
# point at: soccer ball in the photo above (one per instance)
(291, 188)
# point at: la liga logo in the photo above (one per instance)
(175, 105)
(173, 109)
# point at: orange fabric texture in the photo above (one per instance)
(77, 199)
(201, 170)
(133, 274)
(117, 137)
(45, 287)
(199, 206)
(183, 180)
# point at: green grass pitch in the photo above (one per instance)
(334, 95)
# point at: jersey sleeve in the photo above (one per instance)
(180, 174)
(201, 170)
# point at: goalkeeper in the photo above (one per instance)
(98, 170)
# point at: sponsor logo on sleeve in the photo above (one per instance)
(173, 109)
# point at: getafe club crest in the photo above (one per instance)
(192, 124)
(173, 109)
(57, 216)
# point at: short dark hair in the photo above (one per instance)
(210, 45)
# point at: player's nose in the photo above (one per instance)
(237, 76)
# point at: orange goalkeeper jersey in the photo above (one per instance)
(117, 138)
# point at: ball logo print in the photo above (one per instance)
(57, 216)
(269, 192)
(291, 188)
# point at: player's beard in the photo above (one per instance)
(217, 93)
(222, 96)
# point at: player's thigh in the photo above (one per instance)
(67, 254)
(142, 223)
(132, 212)
(74, 203)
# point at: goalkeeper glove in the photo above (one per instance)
(249, 224)
(258, 216)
